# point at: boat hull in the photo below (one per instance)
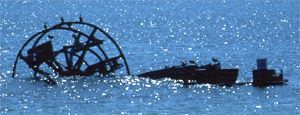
(201, 76)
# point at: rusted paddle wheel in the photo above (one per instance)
(71, 49)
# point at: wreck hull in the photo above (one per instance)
(211, 76)
(223, 76)
(267, 77)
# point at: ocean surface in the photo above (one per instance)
(154, 34)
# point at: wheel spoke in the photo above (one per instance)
(93, 32)
(47, 75)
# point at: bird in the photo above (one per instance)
(45, 25)
(50, 37)
(80, 19)
(62, 20)
(183, 63)
(192, 62)
(215, 60)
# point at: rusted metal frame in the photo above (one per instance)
(69, 24)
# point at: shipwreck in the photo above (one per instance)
(188, 72)
(78, 48)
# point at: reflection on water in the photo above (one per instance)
(139, 95)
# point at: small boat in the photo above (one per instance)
(210, 73)
(262, 76)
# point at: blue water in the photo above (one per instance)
(155, 33)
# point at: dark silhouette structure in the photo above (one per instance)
(75, 57)
(189, 72)
(262, 76)
(77, 61)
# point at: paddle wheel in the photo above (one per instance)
(71, 49)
